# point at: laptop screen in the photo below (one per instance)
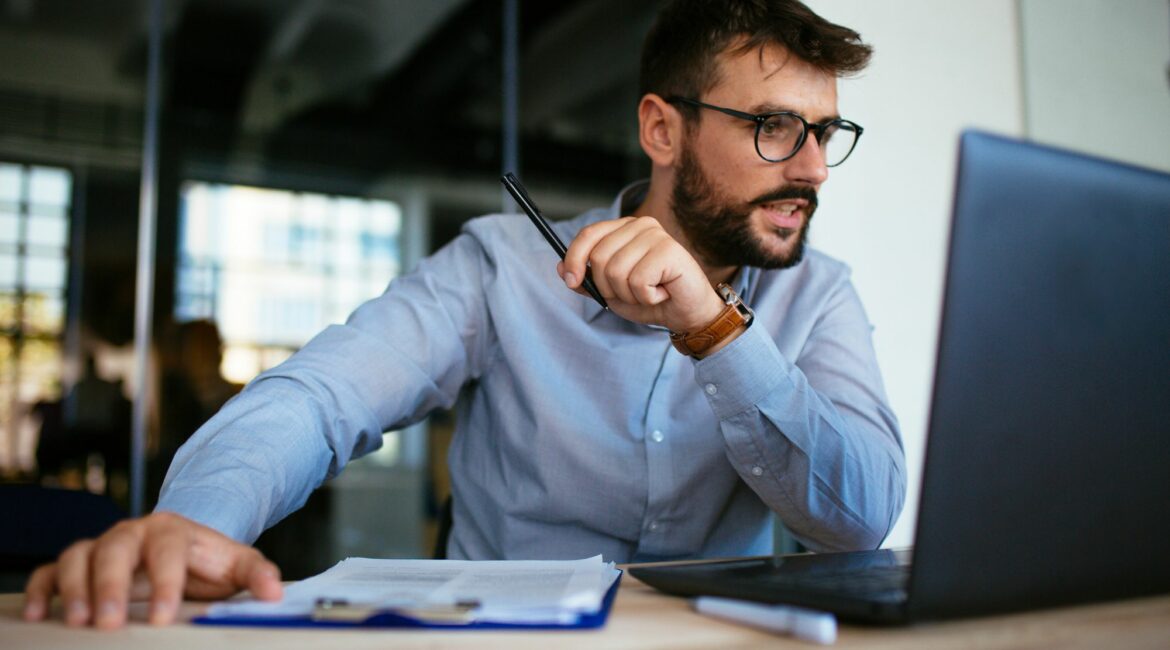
(1047, 469)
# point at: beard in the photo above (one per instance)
(719, 229)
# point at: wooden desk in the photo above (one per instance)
(641, 618)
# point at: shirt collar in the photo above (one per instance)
(631, 196)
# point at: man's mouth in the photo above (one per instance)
(786, 214)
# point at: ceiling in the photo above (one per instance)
(366, 84)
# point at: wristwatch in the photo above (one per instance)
(734, 315)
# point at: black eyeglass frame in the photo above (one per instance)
(818, 129)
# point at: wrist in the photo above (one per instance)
(731, 320)
(726, 341)
(701, 319)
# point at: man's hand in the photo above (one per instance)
(163, 557)
(644, 274)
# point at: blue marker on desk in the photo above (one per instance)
(806, 624)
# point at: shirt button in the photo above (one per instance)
(657, 436)
(757, 471)
(653, 526)
(711, 389)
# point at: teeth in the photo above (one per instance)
(784, 208)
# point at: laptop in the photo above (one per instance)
(1047, 472)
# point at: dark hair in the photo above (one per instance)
(679, 55)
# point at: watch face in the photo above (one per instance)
(732, 298)
(726, 292)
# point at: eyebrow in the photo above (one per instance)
(760, 109)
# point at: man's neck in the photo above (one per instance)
(657, 204)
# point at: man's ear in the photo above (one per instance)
(660, 130)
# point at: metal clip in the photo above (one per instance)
(341, 610)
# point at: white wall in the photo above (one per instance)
(1085, 74)
(938, 67)
(1097, 77)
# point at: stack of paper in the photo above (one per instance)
(447, 592)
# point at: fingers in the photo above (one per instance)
(641, 271)
(644, 273)
(626, 258)
(609, 263)
(261, 576)
(39, 591)
(581, 248)
(73, 582)
(219, 567)
(162, 556)
(165, 556)
(183, 558)
(114, 562)
(577, 286)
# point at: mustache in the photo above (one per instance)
(788, 192)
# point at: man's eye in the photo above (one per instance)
(777, 126)
(772, 126)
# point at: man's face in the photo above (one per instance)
(734, 207)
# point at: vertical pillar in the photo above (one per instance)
(144, 291)
(510, 160)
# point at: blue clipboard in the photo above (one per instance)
(390, 619)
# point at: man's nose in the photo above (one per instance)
(808, 164)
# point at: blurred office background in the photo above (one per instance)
(303, 153)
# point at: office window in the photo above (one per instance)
(34, 260)
(272, 268)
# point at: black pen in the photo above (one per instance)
(521, 195)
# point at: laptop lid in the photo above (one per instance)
(1047, 472)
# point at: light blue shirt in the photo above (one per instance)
(577, 432)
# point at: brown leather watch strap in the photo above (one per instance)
(734, 315)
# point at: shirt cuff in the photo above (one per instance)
(740, 375)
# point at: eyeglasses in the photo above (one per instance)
(780, 135)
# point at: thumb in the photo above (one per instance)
(259, 575)
(220, 566)
(263, 579)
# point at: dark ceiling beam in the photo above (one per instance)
(440, 108)
(584, 53)
(322, 51)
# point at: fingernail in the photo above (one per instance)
(161, 612)
(107, 613)
(570, 279)
(34, 610)
(76, 612)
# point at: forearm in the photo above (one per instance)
(251, 464)
(260, 457)
(833, 471)
(396, 359)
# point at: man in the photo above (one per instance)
(671, 426)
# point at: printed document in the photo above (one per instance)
(537, 591)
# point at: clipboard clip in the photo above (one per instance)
(339, 610)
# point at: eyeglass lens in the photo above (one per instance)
(777, 139)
